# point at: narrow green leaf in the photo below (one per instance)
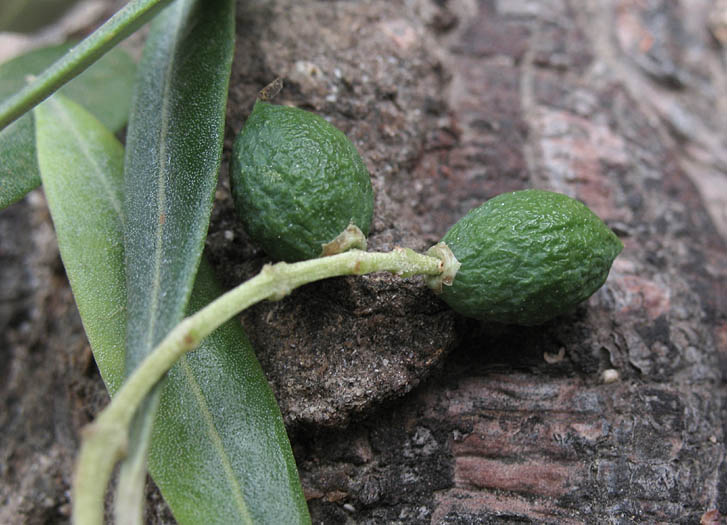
(81, 164)
(219, 448)
(229, 461)
(173, 153)
(104, 89)
(18, 164)
(127, 20)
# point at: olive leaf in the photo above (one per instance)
(81, 165)
(104, 89)
(173, 153)
(230, 460)
(18, 165)
(219, 449)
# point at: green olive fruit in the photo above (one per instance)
(527, 257)
(298, 182)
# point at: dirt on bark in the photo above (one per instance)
(399, 410)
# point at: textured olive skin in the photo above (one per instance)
(297, 182)
(527, 257)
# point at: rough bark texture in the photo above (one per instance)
(400, 411)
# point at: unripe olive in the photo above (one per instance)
(527, 257)
(297, 182)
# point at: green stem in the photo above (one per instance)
(104, 441)
(122, 24)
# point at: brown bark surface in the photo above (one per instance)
(400, 411)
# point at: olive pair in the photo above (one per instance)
(525, 257)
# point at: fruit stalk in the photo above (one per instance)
(104, 441)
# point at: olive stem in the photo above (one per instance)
(104, 440)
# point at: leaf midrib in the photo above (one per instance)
(161, 185)
(216, 440)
